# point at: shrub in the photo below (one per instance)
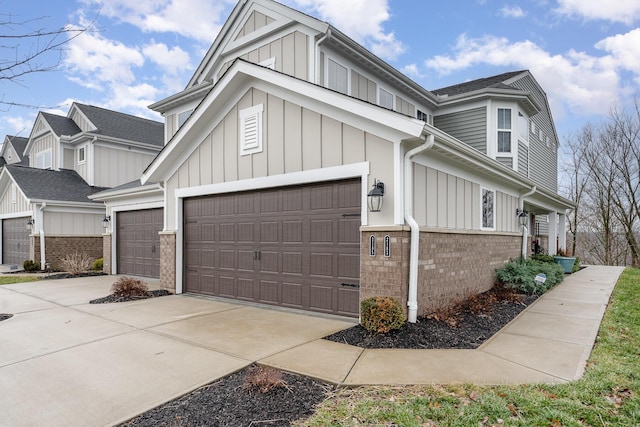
(520, 275)
(576, 265)
(98, 264)
(263, 379)
(129, 287)
(543, 258)
(30, 265)
(76, 263)
(381, 314)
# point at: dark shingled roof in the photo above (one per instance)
(496, 82)
(19, 143)
(43, 184)
(61, 125)
(124, 126)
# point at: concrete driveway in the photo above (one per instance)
(66, 362)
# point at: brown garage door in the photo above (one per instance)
(15, 241)
(296, 247)
(138, 242)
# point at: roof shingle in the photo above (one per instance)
(496, 82)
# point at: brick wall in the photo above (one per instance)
(106, 253)
(57, 247)
(168, 261)
(451, 265)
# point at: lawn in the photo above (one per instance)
(13, 278)
(607, 395)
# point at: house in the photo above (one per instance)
(285, 133)
(45, 185)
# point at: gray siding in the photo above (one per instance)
(543, 160)
(507, 161)
(468, 126)
(255, 21)
(523, 158)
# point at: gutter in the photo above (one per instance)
(412, 300)
(316, 77)
(524, 227)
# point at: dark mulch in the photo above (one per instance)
(465, 326)
(228, 402)
(114, 298)
(5, 316)
(54, 276)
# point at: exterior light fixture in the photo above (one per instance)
(106, 221)
(374, 198)
(523, 216)
(30, 224)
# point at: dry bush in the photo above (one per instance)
(449, 314)
(129, 287)
(76, 263)
(263, 379)
(381, 314)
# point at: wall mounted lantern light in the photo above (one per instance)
(374, 198)
(30, 224)
(106, 221)
(523, 216)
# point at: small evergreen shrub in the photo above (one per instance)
(381, 314)
(576, 265)
(30, 265)
(520, 275)
(543, 258)
(98, 264)
(76, 263)
(129, 287)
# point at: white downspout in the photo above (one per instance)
(43, 258)
(524, 227)
(316, 77)
(412, 300)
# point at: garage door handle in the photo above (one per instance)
(257, 255)
(351, 214)
(350, 285)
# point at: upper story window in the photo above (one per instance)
(82, 155)
(504, 130)
(488, 209)
(523, 127)
(337, 77)
(385, 99)
(44, 159)
(182, 117)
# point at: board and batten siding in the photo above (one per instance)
(72, 224)
(543, 160)
(468, 126)
(254, 22)
(115, 167)
(291, 53)
(45, 142)
(7, 206)
(295, 139)
(443, 200)
(80, 120)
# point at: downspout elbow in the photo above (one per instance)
(412, 300)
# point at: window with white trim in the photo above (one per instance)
(337, 77)
(251, 130)
(504, 130)
(420, 115)
(488, 209)
(182, 117)
(82, 155)
(548, 142)
(44, 159)
(385, 99)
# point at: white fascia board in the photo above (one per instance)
(87, 205)
(16, 215)
(191, 93)
(118, 143)
(129, 193)
(521, 97)
(52, 207)
(243, 75)
(139, 206)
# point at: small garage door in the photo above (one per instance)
(15, 241)
(295, 247)
(138, 242)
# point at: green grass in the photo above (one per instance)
(607, 395)
(13, 278)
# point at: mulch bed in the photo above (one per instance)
(114, 298)
(230, 402)
(54, 276)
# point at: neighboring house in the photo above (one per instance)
(12, 151)
(44, 206)
(274, 145)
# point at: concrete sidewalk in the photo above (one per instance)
(66, 362)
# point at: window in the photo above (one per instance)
(504, 130)
(385, 99)
(43, 159)
(337, 77)
(81, 155)
(182, 117)
(548, 142)
(523, 127)
(488, 208)
(533, 127)
(251, 130)
(423, 116)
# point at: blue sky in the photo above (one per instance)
(584, 53)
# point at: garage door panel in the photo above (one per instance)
(15, 241)
(138, 241)
(281, 246)
(348, 300)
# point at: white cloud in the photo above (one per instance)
(412, 70)
(362, 20)
(625, 50)
(173, 61)
(134, 99)
(17, 125)
(626, 11)
(197, 19)
(576, 81)
(512, 12)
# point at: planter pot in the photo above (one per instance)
(565, 262)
